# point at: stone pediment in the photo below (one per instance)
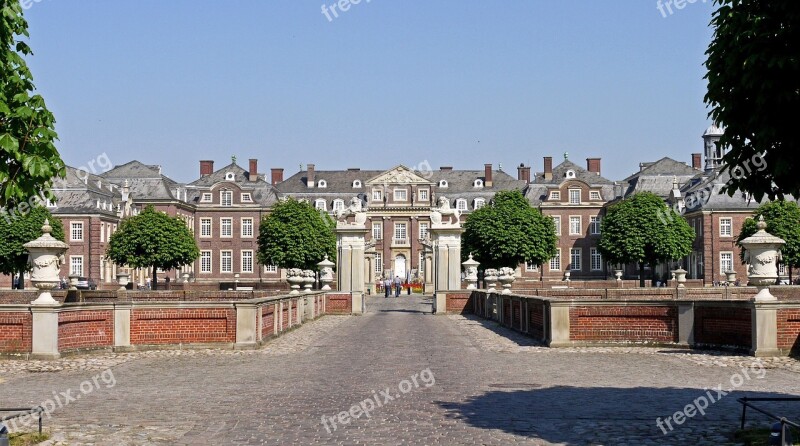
(398, 175)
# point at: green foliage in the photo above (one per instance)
(783, 220)
(16, 229)
(508, 232)
(295, 235)
(152, 239)
(28, 157)
(642, 229)
(754, 92)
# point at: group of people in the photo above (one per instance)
(390, 285)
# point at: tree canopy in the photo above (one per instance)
(783, 220)
(18, 228)
(754, 92)
(642, 229)
(507, 232)
(28, 157)
(153, 239)
(296, 235)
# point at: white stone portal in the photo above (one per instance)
(351, 241)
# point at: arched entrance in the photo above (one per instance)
(400, 266)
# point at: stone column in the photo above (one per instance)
(45, 331)
(246, 326)
(122, 327)
(446, 241)
(351, 260)
(764, 328)
(686, 324)
(558, 325)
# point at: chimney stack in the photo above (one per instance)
(446, 168)
(548, 168)
(206, 167)
(253, 169)
(277, 175)
(311, 176)
(697, 161)
(524, 173)
(593, 165)
(487, 175)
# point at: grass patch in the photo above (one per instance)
(27, 438)
(760, 436)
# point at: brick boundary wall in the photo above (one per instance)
(16, 332)
(459, 302)
(267, 321)
(536, 318)
(653, 324)
(723, 326)
(85, 329)
(789, 330)
(182, 326)
(339, 303)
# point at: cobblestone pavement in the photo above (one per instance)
(486, 386)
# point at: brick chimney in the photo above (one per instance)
(593, 165)
(524, 173)
(311, 176)
(253, 169)
(548, 168)
(446, 168)
(487, 175)
(206, 167)
(697, 161)
(277, 175)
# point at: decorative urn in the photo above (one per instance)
(490, 278)
(680, 276)
(618, 274)
(506, 278)
(471, 272)
(309, 277)
(123, 279)
(45, 256)
(326, 273)
(295, 277)
(730, 277)
(762, 254)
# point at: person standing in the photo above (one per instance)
(397, 286)
(387, 287)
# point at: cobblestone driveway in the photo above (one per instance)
(491, 387)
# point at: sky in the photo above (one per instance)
(385, 82)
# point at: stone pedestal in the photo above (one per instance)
(446, 240)
(764, 328)
(45, 332)
(351, 241)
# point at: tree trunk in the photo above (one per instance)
(653, 275)
(21, 285)
(641, 274)
(155, 279)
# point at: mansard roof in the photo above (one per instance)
(146, 181)
(560, 175)
(657, 177)
(80, 192)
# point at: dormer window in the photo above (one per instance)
(477, 183)
(356, 184)
(322, 184)
(461, 204)
(247, 198)
(574, 196)
(338, 205)
(570, 174)
(555, 195)
(479, 203)
(206, 197)
(226, 198)
(594, 195)
(321, 205)
(443, 183)
(230, 176)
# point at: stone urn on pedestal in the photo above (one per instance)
(309, 277)
(45, 256)
(762, 254)
(730, 277)
(680, 276)
(295, 277)
(618, 275)
(506, 278)
(123, 279)
(471, 272)
(325, 273)
(490, 278)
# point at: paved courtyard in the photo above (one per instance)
(437, 380)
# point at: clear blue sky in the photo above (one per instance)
(457, 83)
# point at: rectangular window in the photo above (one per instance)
(206, 197)
(596, 259)
(531, 267)
(400, 232)
(377, 195)
(226, 227)
(461, 204)
(205, 262)
(594, 225)
(247, 261)
(377, 231)
(321, 205)
(423, 230)
(423, 195)
(76, 231)
(555, 195)
(338, 205)
(725, 227)
(594, 195)
(555, 262)
(557, 223)
(247, 227)
(700, 226)
(575, 259)
(205, 227)
(400, 195)
(574, 196)
(226, 198)
(226, 261)
(575, 225)
(421, 264)
(247, 198)
(76, 265)
(378, 263)
(725, 262)
(271, 269)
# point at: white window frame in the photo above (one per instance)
(479, 203)
(400, 194)
(247, 260)
(378, 268)
(725, 257)
(246, 197)
(595, 195)
(531, 267)
(572, 199)
(377, 195)
(270, 269)
(424, 229)
(726, 227)
(206, 223)
(573, 254)
(423, 194)
(207, 197)
(247, 228)
(377, 230)
(356, 184)
(226, 198)
(462, 205)
(322, 184)
(206, 256)
(321, 205)
(594, 224)
(580, 225)
(443, 183)
(404, 231)
(338, 204)
(555, 195)
(477, 183)
(595, 259)
(225, 255)
(226, 227)
(76, 231)
(557, 223)
(76, 265)
(555, 262)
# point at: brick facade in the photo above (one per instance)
(789, 329)
(183, 326)
(723, 326)
(85, 329)
(16, 330)
(653, 324)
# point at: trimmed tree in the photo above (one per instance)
(783, 220)
(754, 92)
(509, 231)
(29, 160)
(643, 230)
(296, 235)
(17, 229)
(154, 240)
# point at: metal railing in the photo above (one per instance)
(23, 412)
(746, 402)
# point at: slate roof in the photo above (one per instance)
(657, 177)
(76, 196)
(702, 193)
(537, 190)
(263, 193)
(146, 182)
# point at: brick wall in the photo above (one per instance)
(624, 323)
(506, 312)
(459, 303)
(16, 330)
(182, 326)
(85, 329)
(536, 320)
(723, 326)
(516, 314)
(339, 303)
(267, 321)
(789, 329)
